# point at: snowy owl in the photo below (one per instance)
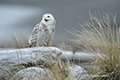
(43, 32)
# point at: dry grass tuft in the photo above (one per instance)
(102, 38)
(61, 70)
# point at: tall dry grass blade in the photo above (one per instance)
(18, 43)
(103, 37)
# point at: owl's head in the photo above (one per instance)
(48, 18)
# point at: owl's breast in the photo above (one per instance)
(51, 29)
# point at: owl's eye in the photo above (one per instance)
(48, 16)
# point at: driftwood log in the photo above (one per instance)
(33, 73)
(12, 61)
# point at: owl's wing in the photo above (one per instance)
(39, 35)
(43, 35)
(33, 38)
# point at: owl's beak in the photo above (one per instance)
(46, 20)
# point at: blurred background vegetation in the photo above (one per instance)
(20, 16)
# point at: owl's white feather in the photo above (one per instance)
(43, 32)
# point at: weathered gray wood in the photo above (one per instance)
(12, 61)
(77, 72)
(36, 73)
(33, 73)
(79, 56)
